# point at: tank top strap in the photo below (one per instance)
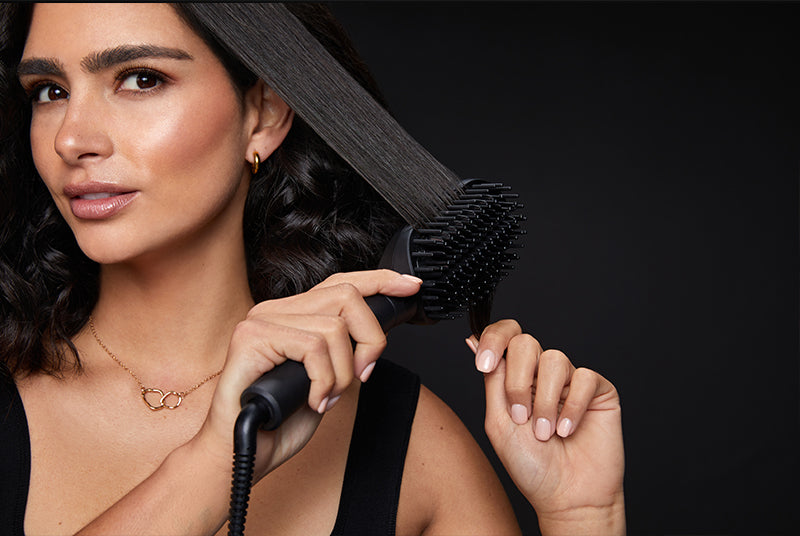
(15, 458)
(374, 471)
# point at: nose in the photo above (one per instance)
(82, 136)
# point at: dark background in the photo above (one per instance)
(656, 149)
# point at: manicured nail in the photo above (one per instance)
(486, 361)
(564, 427)
(332, 402)
(366, 372)
(412, 278)
(542, 430)
(323, 405)
(471, 345)
(519, 414)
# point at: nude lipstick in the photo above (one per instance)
(97, 201)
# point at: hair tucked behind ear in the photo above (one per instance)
(308, 214)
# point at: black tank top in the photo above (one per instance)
(373, 474)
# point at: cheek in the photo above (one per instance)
(194, 139)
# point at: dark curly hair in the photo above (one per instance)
(308, 214)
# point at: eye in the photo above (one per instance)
(49, 93)
(140, 81)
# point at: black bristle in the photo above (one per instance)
(464, 253)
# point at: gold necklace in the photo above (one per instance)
(163, 402)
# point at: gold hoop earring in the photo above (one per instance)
(256, 162)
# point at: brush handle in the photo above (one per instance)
(284, 389)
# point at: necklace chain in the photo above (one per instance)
(165, 395)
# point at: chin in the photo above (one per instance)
(106, 255)
(105, 249)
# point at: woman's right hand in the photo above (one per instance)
(314, 328)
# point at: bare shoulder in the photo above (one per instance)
(449, 487)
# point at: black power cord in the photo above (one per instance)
(244, 447)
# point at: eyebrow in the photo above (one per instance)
(40, 66)
(99, 61)
(113, 56)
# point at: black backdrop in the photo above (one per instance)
(656, 149)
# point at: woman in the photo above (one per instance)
(164, 158)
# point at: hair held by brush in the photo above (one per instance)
(308, 213)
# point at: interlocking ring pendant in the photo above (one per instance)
(162, 403)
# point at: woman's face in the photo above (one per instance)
(136, 129)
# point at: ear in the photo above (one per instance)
(268, 120)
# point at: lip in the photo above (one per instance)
(105, 199)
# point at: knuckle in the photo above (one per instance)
(571, 407)
(501, 331)
(327, 380)
(239, 329)
(256, 311)
(518, 388)
(333, 325)
(348, 290)
(334, 278)
(491, 337)
(488, 330)
(525, 341)
(244, 330)
(553, 357)
(506, 324)
(316, 343)
(583, 374)
(385, 273)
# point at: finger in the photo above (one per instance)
(347, 302)
(585, 387)
(493, 343)
(344, 300)
(522, 357)
(472, 342)
(264, 345)
(554, 372)
(371, 282)
(496, 405)
(340, 349)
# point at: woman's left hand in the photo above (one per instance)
(557, 430)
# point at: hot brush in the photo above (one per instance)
(461, 255)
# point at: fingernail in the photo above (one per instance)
(332, 402)
(412, 278)
(542, 430)
(519, 414)
(564, 427)
(486, 361)
(471, 345)
(365, 374)
(323, 405)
